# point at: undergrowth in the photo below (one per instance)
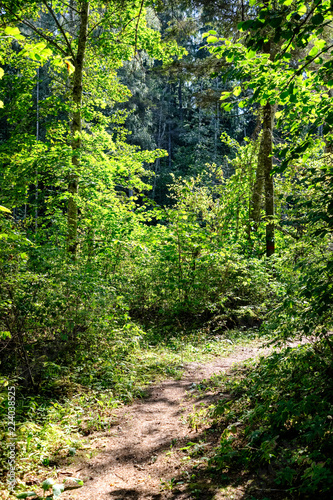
(279, 420)
(53, 427)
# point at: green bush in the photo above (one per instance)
(281, 413)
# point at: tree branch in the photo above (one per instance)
(300, 70)
(120, 32)
(298, 28)
(61, 29)
(70, 6)
(36, 30)
(137, 26)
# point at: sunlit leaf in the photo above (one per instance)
(237, 91)
(211, 39)
(57, 490)
(4, 209)
(301, 10)
(47, 484)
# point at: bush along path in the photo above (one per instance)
(160, 445)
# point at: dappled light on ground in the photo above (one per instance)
(150, 453)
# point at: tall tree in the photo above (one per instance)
(264, 177)
(90, 38)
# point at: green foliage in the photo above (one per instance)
(190, 266)
(77, 397)
(305, 307)
(150, 283)
(280, 414)
(48, 484)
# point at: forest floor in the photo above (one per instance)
(159, 446)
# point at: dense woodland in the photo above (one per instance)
(166, 181)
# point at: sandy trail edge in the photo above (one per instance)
(133, 460)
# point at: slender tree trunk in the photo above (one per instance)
(269, 185)
(268, 124)
(76, 129)
(199, 120)
(169, 144)
(37, 138)
(180, 99)
(160, 135)
(264, 179)
(258, 187)
(217, 124)
(159, 140)
(264, 170)
(250, 174)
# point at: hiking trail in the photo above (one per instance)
(140, 457)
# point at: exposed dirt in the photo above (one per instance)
(141, 455)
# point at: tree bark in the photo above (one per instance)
(216, 124)
(269, 185)
(256, 198)
(76, 129)
(37, 139)
(180, 99)
(264, 179)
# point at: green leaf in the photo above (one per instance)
(317, 19)
(244, 26)
(211, 39)
(57, 490)
(313, 51)
(78, 481)
(301, 10)
(288, 2)
(228, 107)
(26, 494)
(46, 485)
(4, 209)
(276, 21)
(237, 91)
(284, 94)
(320, 44)
(225, 95)
(250, 54)
(14, 32)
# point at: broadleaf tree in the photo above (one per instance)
(87, 38)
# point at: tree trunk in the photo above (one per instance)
(76, 129)
(264, 179)
(264, 170)
(256, 198)
(180, 99)
(37, 139)
(269, 185)
(216, 124)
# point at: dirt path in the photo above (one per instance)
(138, 458)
